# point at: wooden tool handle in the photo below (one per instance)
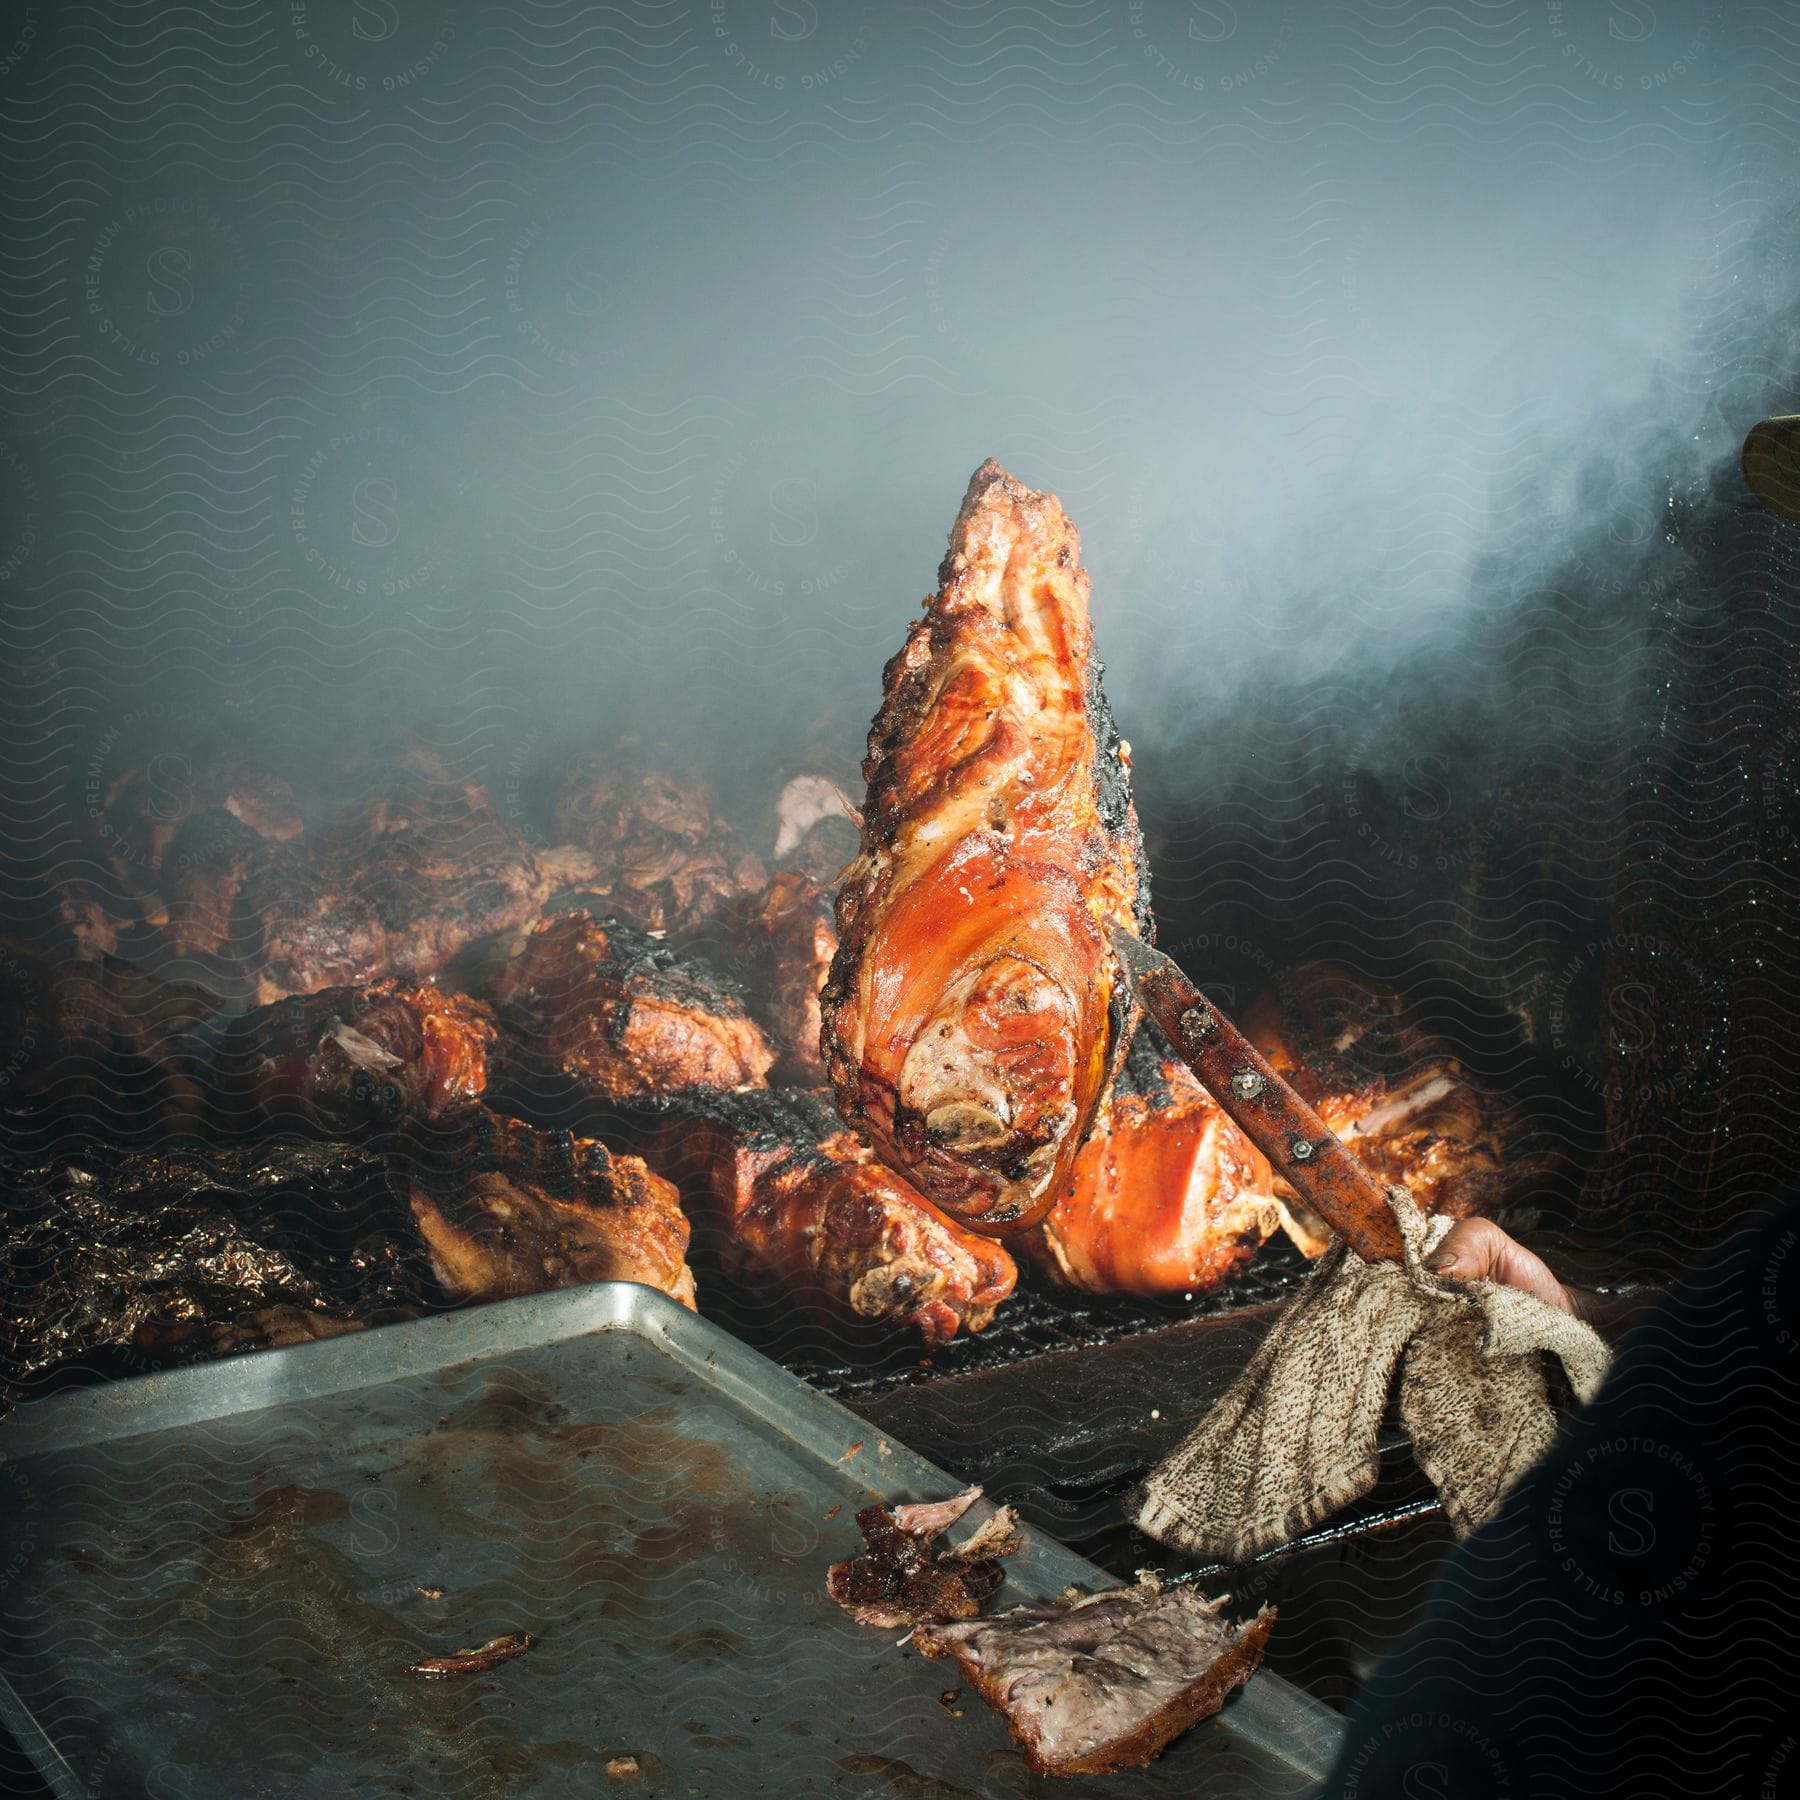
(1299, 1145)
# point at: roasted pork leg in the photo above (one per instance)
(352, 1057)
(783, 1193)
(624, 1017)
(1094, 1685)
(507, 1210)
(974, 1013)
(1166, 1197)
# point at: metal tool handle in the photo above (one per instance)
(1303, 1150)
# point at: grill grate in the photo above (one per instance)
(1038, 1320)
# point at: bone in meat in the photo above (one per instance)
(974, 1012)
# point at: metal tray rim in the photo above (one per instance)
(1280, 1719)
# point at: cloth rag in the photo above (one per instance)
(1294, 1438)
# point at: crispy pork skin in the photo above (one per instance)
(974, 1012)
(782, 1192)
(1394, 1093)
(625, 1017)
(900, 1579)
(663, 857)
(507, 1210)
(351, 1057)
(1094, 1685)
(1166, 1197)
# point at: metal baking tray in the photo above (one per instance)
(212, 1579)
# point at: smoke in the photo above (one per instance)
(527, 380)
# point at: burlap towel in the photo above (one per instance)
(1293, 1439)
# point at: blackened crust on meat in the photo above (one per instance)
(198, 1252)
(1112, 784)
(506, 1209)
(900, 1579)
(623, 1016)
(785, 1195)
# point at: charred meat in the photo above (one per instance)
(101, 1033)
(602, 1005)
(474, 1662)
(398, 886)
(663, 857)
(782, 1192)
(146, 807)
(1393, 1092)
(974, 1013)
(785, 940)
(1167, 1196)
(1089, 1686)
(506, 1210)
(901, 1578)
(196, 1253)
(352, 1057)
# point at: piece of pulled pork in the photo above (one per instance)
(1088, 1686)
(900, 1579)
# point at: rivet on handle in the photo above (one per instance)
(1246, 1084)
(1199, 1023)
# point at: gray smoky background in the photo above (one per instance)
(524, 375)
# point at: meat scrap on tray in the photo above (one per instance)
(974, 1014)
(1096, 1684)
(902, 1577)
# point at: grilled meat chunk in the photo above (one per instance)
(624, 1017)
(193, 1253)
(399, 887)
(1167, 1196)
(899, 1579)
(350, 1057)
(779, 1189)
(101, 1033)
(507, 1210)
(815, 827)
(974, 1012)
(1394, 1093)
(785, 940)
(664, 859)
(91, 919)
(203, 875)
(1089, 1686)
(147, 806)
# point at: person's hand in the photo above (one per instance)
(1477, 1249)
